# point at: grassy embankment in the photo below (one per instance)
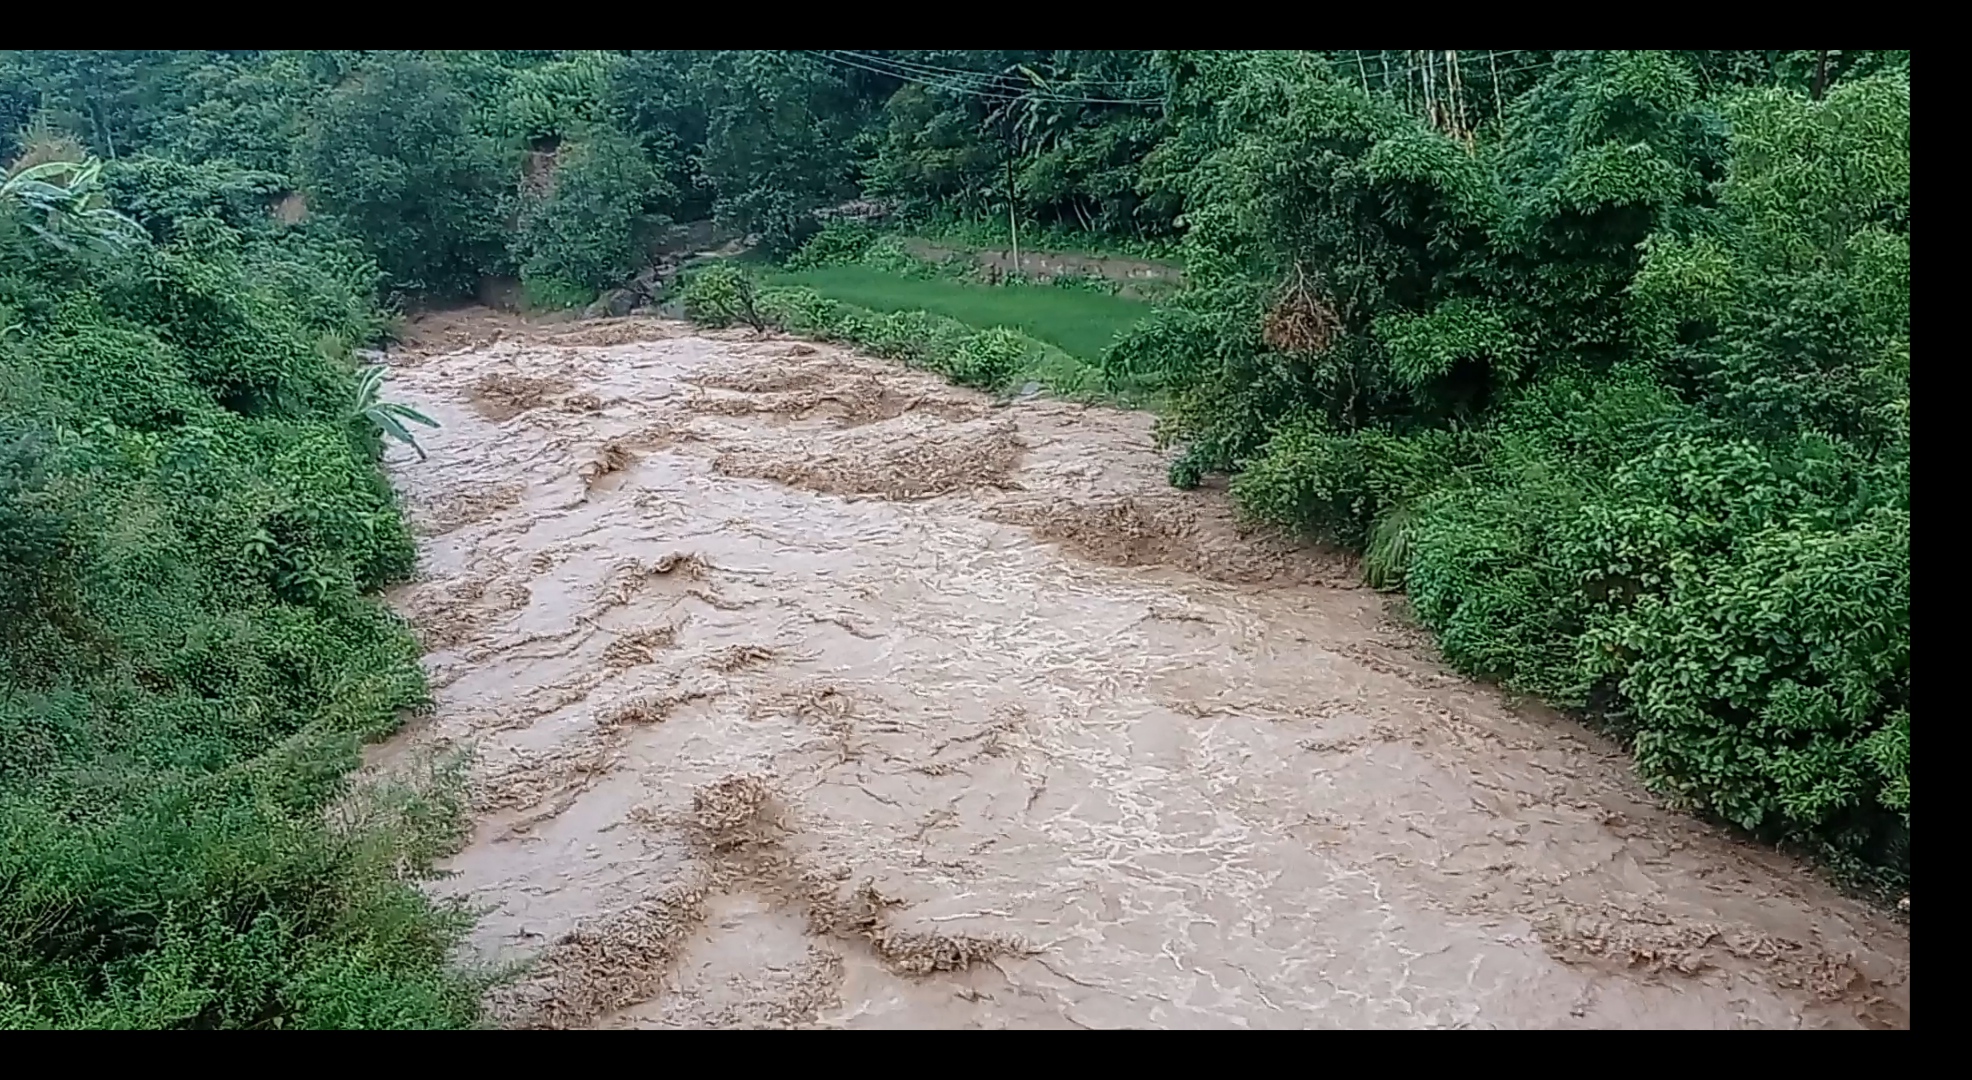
(955, 316)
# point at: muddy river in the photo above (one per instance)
(806, 691)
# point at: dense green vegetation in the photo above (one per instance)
(1602, 357)
(190, 518)
(1619, 393)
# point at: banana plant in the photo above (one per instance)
(68, 197)
(388, 416)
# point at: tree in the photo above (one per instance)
(781, 142)
(589, 226)
(389, 151)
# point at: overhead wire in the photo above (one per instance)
(933, 69)
(979, 84)
(990, 77)
(1003, 87)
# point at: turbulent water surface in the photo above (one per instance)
(803, 690)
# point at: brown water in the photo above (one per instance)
(809, 691)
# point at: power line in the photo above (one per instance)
(948, 86)
(982, 86)
(1004, 88)
(975, 80)
(987, 86)
(991, 78)
(933, 69)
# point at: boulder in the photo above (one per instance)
(613, 304)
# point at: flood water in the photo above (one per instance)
(804, 690)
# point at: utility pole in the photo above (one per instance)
(1013, 221)
(1499, 106)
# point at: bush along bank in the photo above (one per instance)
(193, 525)
(1619, 394)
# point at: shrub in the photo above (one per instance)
(804, 311)
(839, 243)
(720, 294)
(990, 358)
(890, 255)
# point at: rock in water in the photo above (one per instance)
(613, 304)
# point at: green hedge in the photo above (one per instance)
(994, 358)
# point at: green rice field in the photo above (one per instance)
(1079, 322)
